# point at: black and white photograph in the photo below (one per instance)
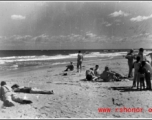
(75, 59)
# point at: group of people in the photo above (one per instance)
(70, 67)
(142, 72)
(93, 74)
(142, 69)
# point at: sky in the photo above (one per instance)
(75, 25)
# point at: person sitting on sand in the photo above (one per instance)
(108, 75)
(136, 66)
(96, 71)
(9, 97)
(90, 76)
(70, 67)
(17, 88)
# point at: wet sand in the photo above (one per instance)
(75, 98)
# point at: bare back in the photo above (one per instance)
(80, 57)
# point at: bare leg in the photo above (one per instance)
(80, 66)
(135, 80)
(38, 91)
(138, 80)
(77, 66)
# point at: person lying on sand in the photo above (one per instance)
(90, 76)
(108, 75)
(70, 67)
(17, 88)
(9, 97)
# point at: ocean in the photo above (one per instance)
(19, 59)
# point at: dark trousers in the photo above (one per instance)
(130, 69)
(142, 83)
(148, 80)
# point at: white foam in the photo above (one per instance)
(12, 59)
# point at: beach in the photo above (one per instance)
(73, 96)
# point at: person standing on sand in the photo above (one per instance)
(150, 54)
(79, 61)
(130, 56)
(136, 66)
(141, 55)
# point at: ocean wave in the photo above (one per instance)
(4, 60)
(15, 59)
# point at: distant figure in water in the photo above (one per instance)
(70, 67)
(9, 97)
(150, 54)
(79, 61)
(23, 89)
(130, 56)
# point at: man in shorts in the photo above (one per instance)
(79, 61)
(130, 57)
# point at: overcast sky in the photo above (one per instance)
(75, 25)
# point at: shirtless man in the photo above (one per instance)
(150, 54)
(141, 55)
(79, 61)
(97, 71)
(130, 56)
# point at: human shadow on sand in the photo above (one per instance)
(126, 89)
(99, 80)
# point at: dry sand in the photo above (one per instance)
(75, 98)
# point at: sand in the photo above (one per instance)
(75, 98)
